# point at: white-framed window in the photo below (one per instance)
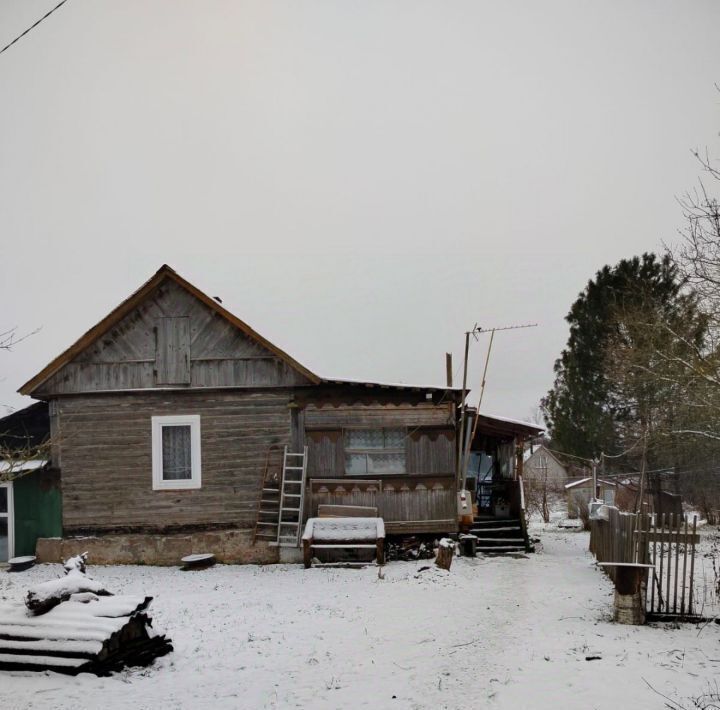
(374, 451)
(176, 452)
(7, 522)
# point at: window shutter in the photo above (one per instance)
(172, 358)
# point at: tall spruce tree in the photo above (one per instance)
(583, 412)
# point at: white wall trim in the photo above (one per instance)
(160, 484)
(11, 520)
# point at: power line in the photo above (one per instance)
(32, 27)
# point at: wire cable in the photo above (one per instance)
(32, 27)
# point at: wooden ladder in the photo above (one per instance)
(292, 495)
(266, 521)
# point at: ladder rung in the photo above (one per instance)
(294, 468)
(271, 490)
(292, 495)
(290, 510)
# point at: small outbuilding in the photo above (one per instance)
(30, 497)
(580, 492)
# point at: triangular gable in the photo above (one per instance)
(542, 448)
(134, 301)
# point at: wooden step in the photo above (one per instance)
(502, 548)
(484, 531)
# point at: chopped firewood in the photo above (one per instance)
(409, 549)
(445, 553)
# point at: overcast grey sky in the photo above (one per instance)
(360, 181)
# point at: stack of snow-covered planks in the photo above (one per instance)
(84, 634)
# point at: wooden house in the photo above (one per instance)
(546, 467)
(177, 428)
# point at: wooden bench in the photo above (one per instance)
(346, 533)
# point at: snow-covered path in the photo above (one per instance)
(495, 633)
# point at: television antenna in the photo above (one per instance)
(475, 333)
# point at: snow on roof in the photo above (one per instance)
(583, 481)
(508, 420)
(400, 385)
(8, 465)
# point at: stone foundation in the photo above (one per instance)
(228, 546)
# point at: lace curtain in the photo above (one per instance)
(374, 451)
(176, 454)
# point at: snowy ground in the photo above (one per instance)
(491, 633)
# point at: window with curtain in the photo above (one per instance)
(374, 451)
(176, 452)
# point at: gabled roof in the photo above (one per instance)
(134, 300)
(544, 449)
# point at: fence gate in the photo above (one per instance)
(668, 541)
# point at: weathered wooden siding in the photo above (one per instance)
(423, 499)
(172, 359)
(325, 453)
(105, 443)
(429, 445)
(133, 355)
(430, 450)
(357, 414)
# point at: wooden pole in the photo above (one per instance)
(669, 563)
(461, 443)
(662, 557)
(654, 561)
(677, 564)
(692, 566)
(684, 572)
(595, 481)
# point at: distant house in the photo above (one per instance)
(580, 492)
(545, 466)
(30, 499)
(170, 420)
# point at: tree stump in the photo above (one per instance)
(445, 553)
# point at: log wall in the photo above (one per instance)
(105, 447)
